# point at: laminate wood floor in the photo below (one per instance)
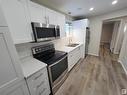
(101, 75)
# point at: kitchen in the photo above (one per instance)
(41, 47)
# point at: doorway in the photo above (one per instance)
(110, 36)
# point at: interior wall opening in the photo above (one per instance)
(113, 33)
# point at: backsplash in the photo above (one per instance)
(24, 50)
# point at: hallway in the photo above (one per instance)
(101, 75)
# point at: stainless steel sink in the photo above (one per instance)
(72, 45)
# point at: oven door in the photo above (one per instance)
(58, 71)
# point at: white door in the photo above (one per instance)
(114, 36)
(10, 71)
(37, 12)
(15, 12)
(124, 51)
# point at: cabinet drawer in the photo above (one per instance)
(38, 77)
(39, 83)
(42, 89)
(73, 57)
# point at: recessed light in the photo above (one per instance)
(69, 13)
(114, 2)
(91, 9)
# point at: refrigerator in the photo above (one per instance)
(81, 34)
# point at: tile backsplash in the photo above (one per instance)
(24, 50)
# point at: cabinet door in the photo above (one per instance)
(10, 71)
(61, 23)
(71, 61)
(17, 89)
(82, 51)
(37, 12)
(39, 83)
(15, 12)
(50, 16)
(2, 19)
(73, 57)
(77, 54)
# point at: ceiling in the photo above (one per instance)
(81, 7)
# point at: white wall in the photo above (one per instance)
(107, 31)
(96, 28)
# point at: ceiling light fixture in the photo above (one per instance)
(79, 8)
(114, 2)
(91, 9)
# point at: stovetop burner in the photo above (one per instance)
(47, 54)
(56, 56)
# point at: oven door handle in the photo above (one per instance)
(57, 61)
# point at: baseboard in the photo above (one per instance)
(122, 66)
(93, 54)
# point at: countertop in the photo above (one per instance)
(31, 65)
(68, 49)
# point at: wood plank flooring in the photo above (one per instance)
(101, 75)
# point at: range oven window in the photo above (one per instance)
(58, 68)
(45, 32)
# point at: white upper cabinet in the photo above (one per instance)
(50, 16)
(37, 12)
(20, 13)
(16, 15)
(45, 15)
(2, 19)
(60, 20)
(10, 71)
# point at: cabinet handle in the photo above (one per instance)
(40, 84)
(48, 19)
(38, 76)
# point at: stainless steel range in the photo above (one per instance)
(56, 61)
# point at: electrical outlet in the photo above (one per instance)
(124, 91)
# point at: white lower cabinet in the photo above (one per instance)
(73, 57)
(18, 89)
(38, 83)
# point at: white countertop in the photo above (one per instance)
(68, 49)
(31, 65)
